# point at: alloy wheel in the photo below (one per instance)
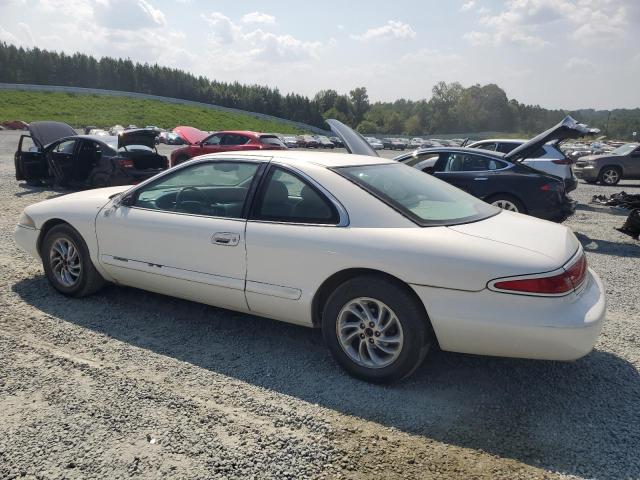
(369, 332)
(506, 205)
(610, 177)
(65, 261)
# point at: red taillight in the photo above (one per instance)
(564, 161)
(571, 278)
(126, 163)
(552, 187)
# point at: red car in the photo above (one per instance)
(199, 143)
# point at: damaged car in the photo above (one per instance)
(52, 152)
(502, 179)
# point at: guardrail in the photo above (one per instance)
(145, 96)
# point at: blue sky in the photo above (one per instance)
(556, 53)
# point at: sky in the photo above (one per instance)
(556, 53)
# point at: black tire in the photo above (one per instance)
(504, 197)
(34, 182)
(591, 182)
(416, 331)
(610, 175)
(181, 159)
(88, 281)
(99, 180)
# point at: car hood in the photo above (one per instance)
(140, 136)
(554, 241)
(44, 133)
(353, 141)
(190, 134)
(567, 128)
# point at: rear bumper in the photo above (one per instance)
(504, 325)
(570, 184)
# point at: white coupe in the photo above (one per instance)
(388, 261)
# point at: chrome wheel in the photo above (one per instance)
(610, 177)
(369, 332)
(65, 262)
(506, 205)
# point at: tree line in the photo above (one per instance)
(452, 108)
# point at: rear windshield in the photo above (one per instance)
(424, 199)
(271, 140)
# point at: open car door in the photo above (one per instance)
(353, 141)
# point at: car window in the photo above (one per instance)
(415, 159)
(487, 146)
(286, 197)
(271, 140)
(213, 140)
(234, 139)
(65, 147)
(464, 162)
(422, 198)
(506, 147)
(213, 188)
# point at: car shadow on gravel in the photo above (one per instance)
(34, 190)
(606, 247)
(580, 418)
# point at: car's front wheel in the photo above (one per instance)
(610, 176)
(66, 262)
(375, 329)
(507, 202)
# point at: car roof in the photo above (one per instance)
(328, 160)
(501, 140)
(479, 151)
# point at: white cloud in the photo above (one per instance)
(577, 65)
(25, 30)
(7, 36)
(258, 17)
(468, 6)
(393, 29)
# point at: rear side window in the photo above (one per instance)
(488, 146)
(271, 140)
(464, 162)
(234, 139)
(506, 147)
(414, 160)
(285, 197)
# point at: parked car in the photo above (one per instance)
(115, 130)
(548, 158)
(58, 154)
(15, 125)
(200, 142)
(338, 242)
(291, 141)
(393, 144)
(324, 142)
(503, 179)
(375, 143)
(337, 142)
(610, 168)
(307, 141)
(415, 142)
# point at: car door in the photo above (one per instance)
(183, 234)
(61, 158)
(476, 174)
(210, 144)
(632, 164)
(30, 162)
(234, 142)
(292, 223)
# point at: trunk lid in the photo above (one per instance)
(567, 128)
(190, 135)
(142, 136)
(46, 132)
(353, 141)
(552, 240)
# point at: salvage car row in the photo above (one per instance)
(336, 241)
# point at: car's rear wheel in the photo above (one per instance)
(507, 202)
(610, 175)
(66, 262)
(375, 329)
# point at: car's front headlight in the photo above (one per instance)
(26, 221)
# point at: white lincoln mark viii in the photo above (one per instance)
(387, 260)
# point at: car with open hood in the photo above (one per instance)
(610, 168)
(386, 262)
(201, 143)
(53, 152)
(504, 179)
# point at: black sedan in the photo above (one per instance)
(489, 176)
(54, 153)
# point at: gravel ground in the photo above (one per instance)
(129, 383)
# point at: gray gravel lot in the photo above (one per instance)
(130, 383)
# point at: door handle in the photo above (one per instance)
(481, 178)
(225, 238)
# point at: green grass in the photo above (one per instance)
(79, 110)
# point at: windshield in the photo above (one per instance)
(420, 197)
(625, 149)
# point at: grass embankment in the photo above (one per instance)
(80, 110)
